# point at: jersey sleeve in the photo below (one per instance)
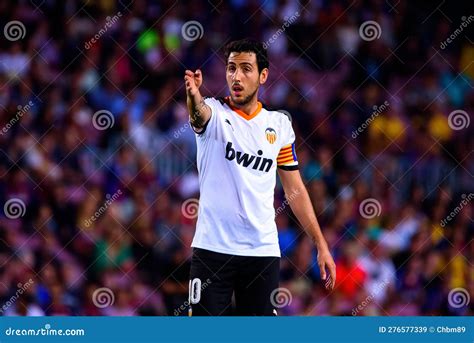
(211, 123)
(287, 159)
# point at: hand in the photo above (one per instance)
(325, 260)
(193, 80)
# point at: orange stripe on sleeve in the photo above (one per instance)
(286, 161)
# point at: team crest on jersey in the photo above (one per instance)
(271, 135)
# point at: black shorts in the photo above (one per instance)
(216, 277)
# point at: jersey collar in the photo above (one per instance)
(242, 113)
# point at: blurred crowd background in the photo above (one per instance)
(104, 205)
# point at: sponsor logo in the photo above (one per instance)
(247, 160)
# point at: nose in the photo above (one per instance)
(236, 75)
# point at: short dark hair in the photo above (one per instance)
(248, 45)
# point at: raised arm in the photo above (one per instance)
(199, 112)
(300, 203)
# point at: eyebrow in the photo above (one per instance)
(241, 63)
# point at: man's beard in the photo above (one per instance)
(244, 101)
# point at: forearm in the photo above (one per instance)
(298, 198)
(198, 110)
(300, 203)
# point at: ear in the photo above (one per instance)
(263, 76)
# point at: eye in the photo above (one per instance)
(231, 68)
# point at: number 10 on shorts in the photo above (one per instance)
(194, 291)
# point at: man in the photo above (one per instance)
(240, 145)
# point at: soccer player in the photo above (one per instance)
(240, 146)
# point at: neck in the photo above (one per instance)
(248, 108)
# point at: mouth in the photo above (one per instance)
(237, 90)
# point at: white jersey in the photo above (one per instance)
(237, 157)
